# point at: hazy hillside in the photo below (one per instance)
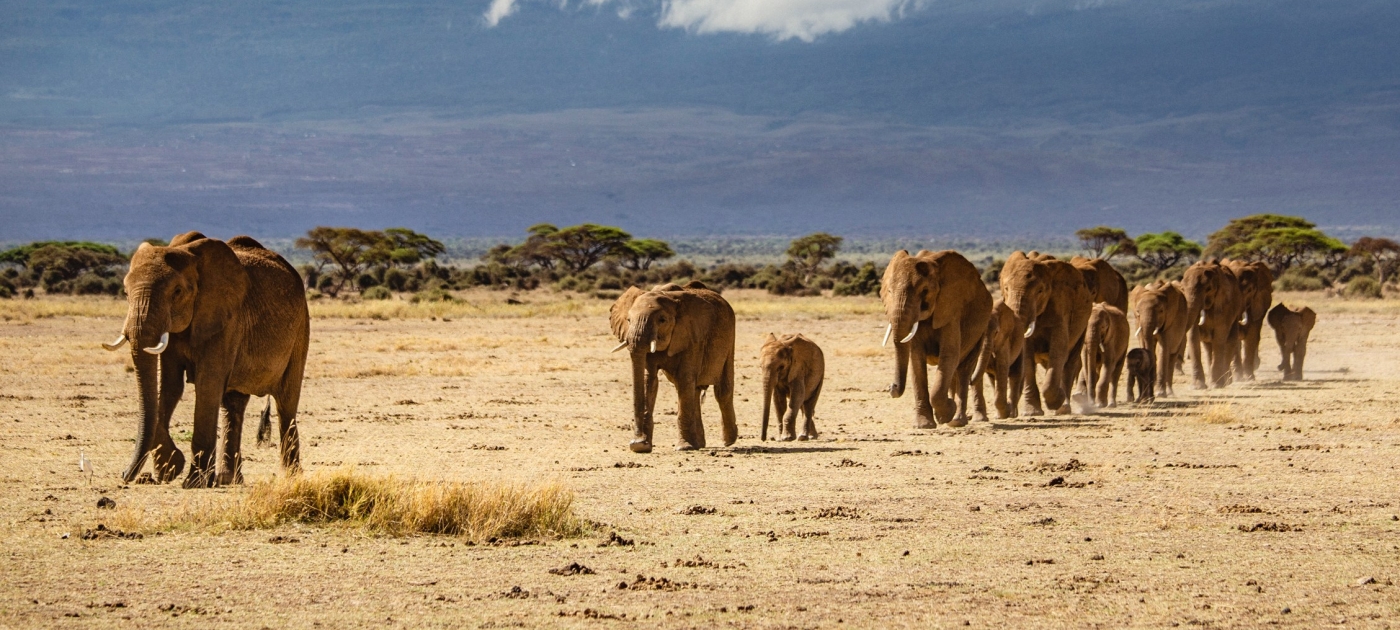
(993, 119)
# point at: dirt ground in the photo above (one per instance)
(1264, 504)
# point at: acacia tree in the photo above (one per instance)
(405, 247)
(1284, 247)
(1245, 229)
(810, 252)
(1382, 253)
(639, 254)
(582, 246)
(349, 250)
(1165, 250)
(1106, 242)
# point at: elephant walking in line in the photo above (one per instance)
(687, 333)
(1105, 349)
(1291, 330)
(1141, 374)
(1257, 292)
(793, 370)
(1103, 281)
(1051, 295)
(1214, 306)
(1162, 319)
(231, 318)
(1001, 359)
(937, 309)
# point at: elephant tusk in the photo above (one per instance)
(620, 346)
(160, 347)
(121, 341)
(911, 333)
(653, 345)
(1244, 321)
(1030, 330)
(1203, 319)
(888, 329)
(1138, 332)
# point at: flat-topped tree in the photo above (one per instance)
(349, 250)
(810, 252)
(582, 246)
(639, 254)
(1284, 247)
(1106, 242)
(1382, 253)
(1244, 229)
(1165, 250)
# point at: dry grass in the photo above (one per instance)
(387, 505)
(1218, 413)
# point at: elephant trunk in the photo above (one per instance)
(639, 384)
(767, 403)
(142, 334)
(904, 324)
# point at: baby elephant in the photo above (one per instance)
(793, 369)
(1291, 329)
(1105, 344)
(1142, 374)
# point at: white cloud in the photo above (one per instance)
(804, 20)
(782, 19)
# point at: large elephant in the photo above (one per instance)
(1103, 281)
(1213, 306)
(688, 334)
(937, 309)
(231, 318)
(793, 369)
(1291, 330)
(1051, 295)
(1001, 359)
(1162, 319)
(1105, 349)
(1257, 291)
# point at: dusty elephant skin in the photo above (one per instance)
(1141, 372)
(1001, 359)
(1051, 295)
(1257, 293)
(1213, 308)
(1162, 320)
(793, 368)
(1291, 330)
(231, 318)
(1105, 348)
(937, 309)
(1103, 281)
(688, 334)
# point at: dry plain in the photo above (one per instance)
(873, 525)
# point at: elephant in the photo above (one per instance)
(230, 318)
(1051, 295)
(1213, 306)
(1291, 330)
(1141, 368)
(1160, 312)
(687, 333)
(1103, 281)
(937, 310)
(1105, 348)
(793, 369)
(1001, 358)
(1257, 290)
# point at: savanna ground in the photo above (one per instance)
(1136, 516)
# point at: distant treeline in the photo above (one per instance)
(341, 262)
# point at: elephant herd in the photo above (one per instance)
(231, 318)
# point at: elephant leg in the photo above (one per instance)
(1069, 380)
(1113, 382)
(1219, 363)
(1014, 384)
(208, 395)
(1300, 352)
(645, 425)
(265, 424)
(166, 458)
(724, 395)
(960, 377)
(1000, 382)
(780, 406)
(688, 414)
(945, 380)
(923, 409)
(228, 468)
(643, 401)
(288, 401)
(1198, 370)
(809, 409)
(1030, 386)
(979, 396)
(796, 396)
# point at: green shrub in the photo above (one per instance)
(865, 282)
(366, 281)
(1363, 287)
(433, 295)
(377, 293)
(396, 279)
(1300, 279)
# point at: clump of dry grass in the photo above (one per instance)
(379, 504)
(1218, 413)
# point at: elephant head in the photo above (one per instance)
(909, 291)
(1204, 286)
(1026, 288)
(655, 323)
(775, 361)
(188, 290)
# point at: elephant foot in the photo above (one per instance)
(944, 410)
(1064, 410)
(922, 421)
(640, 446)
(1032, 412)
(786, 437)
(958, 421)
(685, 446)
(1198, 384)
(168, 464)
(807, 436)
(199, 479)
(980, 416)
(1004, 411)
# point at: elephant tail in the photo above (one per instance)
(265, 425)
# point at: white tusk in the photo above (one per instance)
(1138, 332)
(1203, 319)
(888, 329)
(620, 346)
(911, 333)
(653, 345)
(160, 347)
(1030, 330)
(121, 341)
(1244, 321)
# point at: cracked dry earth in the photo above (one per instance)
(1264, 504)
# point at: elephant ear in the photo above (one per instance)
(186, 239)
(690, 315)
(617, 315)
(1309, 319)
(222, 287)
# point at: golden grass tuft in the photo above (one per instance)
(387, 505)
(1218, 413)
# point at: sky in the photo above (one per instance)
(984, 119)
